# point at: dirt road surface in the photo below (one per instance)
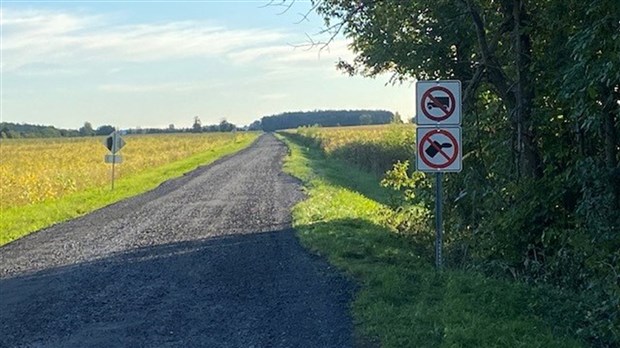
(206, 260)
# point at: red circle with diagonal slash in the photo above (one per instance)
(447, 111)
(427, 138)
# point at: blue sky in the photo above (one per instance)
(150, 64)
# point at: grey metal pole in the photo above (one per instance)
(438, 220)
(113, 165)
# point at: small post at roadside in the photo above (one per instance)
(438, 141)
(113, 143)
(113, 165)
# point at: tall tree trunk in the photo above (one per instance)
(610, 112)
(518, 96)
(529, 155)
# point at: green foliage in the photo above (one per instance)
(10, 130)
(562, 232)
(327, 118)
(104, 130)
(87, 130)
(402, 301)
(539, 197)
(197, 126)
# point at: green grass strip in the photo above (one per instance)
(402, 301)
(17, 222)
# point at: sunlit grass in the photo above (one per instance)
(402, 301)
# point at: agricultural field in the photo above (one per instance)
(45, 181)
(36, 170)
(375, 148)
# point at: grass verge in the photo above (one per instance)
(17, 222)
(402, 301)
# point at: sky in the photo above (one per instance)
(154, 63)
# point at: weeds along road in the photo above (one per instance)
(206, 260)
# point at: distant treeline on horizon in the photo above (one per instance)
(10, 130)
(325, 118)
(287, 120)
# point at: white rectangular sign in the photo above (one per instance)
(438, 103)
(438, 149)
(113, 159)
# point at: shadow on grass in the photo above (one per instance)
(404, 302)
(259, 289)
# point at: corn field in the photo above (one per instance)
(375, 148)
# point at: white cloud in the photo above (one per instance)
(141, 88)
(64, 38)
(338, 49)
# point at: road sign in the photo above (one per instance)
(439, 149)
(438, 102)
(114, 142)
(113, 159)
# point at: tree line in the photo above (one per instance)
(326, 118)
(10, 130)
(285, 120)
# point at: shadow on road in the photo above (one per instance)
(232, 291)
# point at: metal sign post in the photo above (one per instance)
(113, 165)
(438, 138)
(438, 220)
(114, 143)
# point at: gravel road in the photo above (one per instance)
(205, 260)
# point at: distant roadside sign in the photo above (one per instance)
(114, 142)
(438, 103)
(114, 159)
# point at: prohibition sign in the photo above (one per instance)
(428, 141)
(446, 110)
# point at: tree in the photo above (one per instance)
(86, 130)
(5, 133)
(255, 126)
(226, 126)
(104, 130)
(197, 126)
(399, 37)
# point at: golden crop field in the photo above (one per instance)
(34, 170)
(374, 148)
(332, 138)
